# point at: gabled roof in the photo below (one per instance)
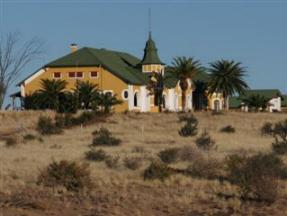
(267, 93)
(150, 53)
(236, 101)
(122, 65)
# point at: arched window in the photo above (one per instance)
(136, 99)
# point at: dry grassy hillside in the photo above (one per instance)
(122, 191)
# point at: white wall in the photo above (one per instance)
(275, 104)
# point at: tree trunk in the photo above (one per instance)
(226, 103)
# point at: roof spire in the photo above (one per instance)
(149, 22)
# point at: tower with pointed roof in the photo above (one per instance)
(151, 61)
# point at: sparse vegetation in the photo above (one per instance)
(205, 168)
(228, 129)
(257, 176)
(11, 141)
(103, 137)
(190, 127)
(267, 129)
(29, 137)
(169, 155)
(46, 126)
(280, 135)
(112, 162)
(71, 175)
(133, 163)
(157, 170)
(96, 155)
(205, 142)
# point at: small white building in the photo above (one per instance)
(273, 95)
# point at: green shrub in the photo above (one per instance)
(46, 126)
(29, 137)
(132, 163)
(257, 176)
(169, 155)
(267, 129)
(227, 129)
(190, 127)
(103, 137)
(96, 155)
(205, 168)
(112, 162)
(72, 176)
(157, 170)
(205, 142)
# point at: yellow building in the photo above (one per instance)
(119, 73)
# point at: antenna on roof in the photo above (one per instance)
(149, 21)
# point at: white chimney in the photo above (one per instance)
(73, 47)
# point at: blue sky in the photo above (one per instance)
(252, 32)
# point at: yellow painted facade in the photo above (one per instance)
(105, 80)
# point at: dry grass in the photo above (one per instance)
(150, 133)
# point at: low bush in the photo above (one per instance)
(280, 134)
(11, 141)
(279, 147)
(205, 142)
(228, 129)
(112, 162)
(103, 137)
(132, 163)
(45, 126)
(190, 127)
(205, 168)
(267, 129)
(29, 137)
(138, 149)
(188, 153)
(169, 155)
(71, 175)
(157, 170)
(257, 176)
(96, 155)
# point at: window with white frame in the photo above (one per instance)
(79, 74)
(94, 74)
(125, 94)
(72, 74)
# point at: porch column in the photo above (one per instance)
(143, 98)
(171, 100)
(130, 97)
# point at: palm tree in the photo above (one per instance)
(256, 101)
(87, 93)
(107, 100)
(50, 93)
(226, 77)
(184, 69)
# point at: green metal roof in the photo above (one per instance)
(150, 53)
(268, 93)
(122, 65)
